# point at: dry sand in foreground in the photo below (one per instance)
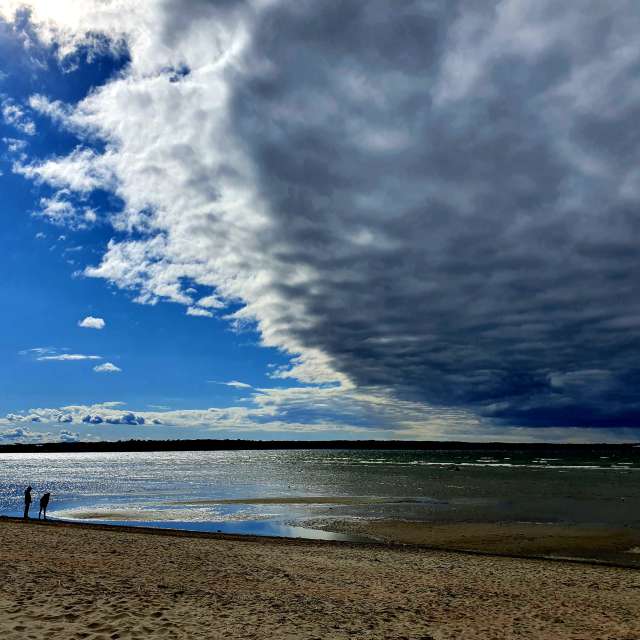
(61, 581)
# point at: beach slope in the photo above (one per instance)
(75, 581)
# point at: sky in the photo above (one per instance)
(313, 220)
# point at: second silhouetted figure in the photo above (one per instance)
(44, 503)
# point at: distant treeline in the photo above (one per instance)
(370, 445)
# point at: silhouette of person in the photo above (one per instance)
(27, 502)
(44, 503)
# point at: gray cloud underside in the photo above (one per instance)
(440, 199)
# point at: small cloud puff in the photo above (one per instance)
(107, 367)
(197, 311)
(211, 302)
(92, 323)
(237, 385)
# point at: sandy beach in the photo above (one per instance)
(80, 581)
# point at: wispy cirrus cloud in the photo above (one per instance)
(236, 384)
(53, 354)
(38, 351)
(15, 145)
(14, 115)
(69, 357)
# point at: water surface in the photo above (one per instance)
(276, 492)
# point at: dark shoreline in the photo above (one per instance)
(631, 448)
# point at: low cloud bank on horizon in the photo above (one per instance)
(436, 204)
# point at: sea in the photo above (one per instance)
(283, 492)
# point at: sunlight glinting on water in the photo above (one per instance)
(236, 488)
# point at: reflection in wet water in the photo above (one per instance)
(248, 527)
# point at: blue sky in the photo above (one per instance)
(301, 220)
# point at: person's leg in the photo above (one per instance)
(39, 513)
(45, 511)
(26, 511)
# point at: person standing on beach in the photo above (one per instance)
(44, 503)
(27, 502)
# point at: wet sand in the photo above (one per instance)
(77, 581)
(620, 546)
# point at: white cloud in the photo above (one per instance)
(68, 436)
(26, 436)
(211, 302)
(69, 357)
(39, 351)
(92, 323)
(19, 434)
(107, 367)
(81, 171)
(64, 209)
(196, 311)
(237, 384)
(14, 145)
(54, 109)
(58, 209)
(15, 116)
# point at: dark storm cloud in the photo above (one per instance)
(462, 183)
